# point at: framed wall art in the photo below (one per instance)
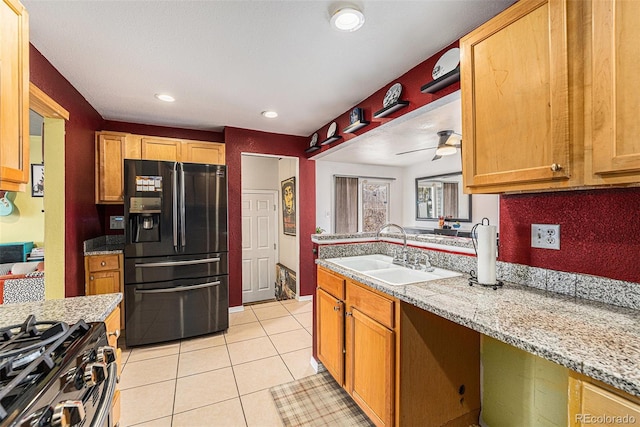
(37, 180)
(288, 188)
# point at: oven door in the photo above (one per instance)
(165, 311)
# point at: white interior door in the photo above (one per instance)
(258, 245)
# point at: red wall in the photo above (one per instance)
(83, 221)
(247, 141)
(164, 131)
(411, 82)
(599, 231)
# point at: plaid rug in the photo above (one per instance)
(317, 400)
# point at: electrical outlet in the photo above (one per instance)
(546, 236)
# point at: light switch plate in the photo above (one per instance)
(116, 222)
(546, 236)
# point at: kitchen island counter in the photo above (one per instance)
(599, 340)
(94, 308)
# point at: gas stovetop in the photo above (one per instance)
(44, 365)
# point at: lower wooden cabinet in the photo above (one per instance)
(104, 274)
(112, 322)
(594, 403)
(400, 364)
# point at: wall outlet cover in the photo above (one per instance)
(545, 236)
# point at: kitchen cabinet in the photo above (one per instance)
(112, 323)
(402, 365)
(111, 150)
(161, 149)
(104, 274)
(14, 102)
(612, 146)
(517, 94)
(594, 403)
(113, 147)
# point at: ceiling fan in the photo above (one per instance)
(448, 144)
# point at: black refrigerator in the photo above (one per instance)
(175, 253)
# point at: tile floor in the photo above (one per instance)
(221, 379)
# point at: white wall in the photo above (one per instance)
(259, 173)
(403, 197)
(289, 247)
(324, 189)
(482, 205)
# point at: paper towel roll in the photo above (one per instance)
(487, 254)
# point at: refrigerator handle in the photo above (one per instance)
(175, 206)
(183, 233)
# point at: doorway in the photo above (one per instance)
(263, 178)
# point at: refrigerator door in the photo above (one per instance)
(165, 311)
(156, 269)
(203, 207)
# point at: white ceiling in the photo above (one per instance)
(226, 61)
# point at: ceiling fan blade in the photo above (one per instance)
(413, 151)
(436, 157)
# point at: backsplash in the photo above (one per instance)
(599, 230)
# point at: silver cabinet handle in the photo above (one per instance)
(178, 289)
(174, 263)
(556, 167)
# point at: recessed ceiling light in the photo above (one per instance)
(347, 19)
(164, 97)
(270, 114)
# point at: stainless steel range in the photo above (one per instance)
(53, 374)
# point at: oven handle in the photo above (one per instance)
(104, 407)
(178, 289)
(174, 263)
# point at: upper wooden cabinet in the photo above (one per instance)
(113, 147)
(14, 96)
(549, 98)
(515, 99)
(613, 135)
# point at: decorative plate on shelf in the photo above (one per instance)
(314, 139)
(332, 129)
(447, 62)
(356, 115)
(393, 95)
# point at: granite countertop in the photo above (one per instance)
(104, 245)
(94, 308)
(463, 244)
(104, 250)
(599, 340)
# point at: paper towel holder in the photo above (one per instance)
(473, 280)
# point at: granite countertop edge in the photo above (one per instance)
(92, 308)
(454, 300)
(104, 250)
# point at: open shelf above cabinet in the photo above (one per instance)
(442, 82)
(312, 149)
(331, 139)
(355, 126)
(390, 109)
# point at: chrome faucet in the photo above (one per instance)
(403, 260)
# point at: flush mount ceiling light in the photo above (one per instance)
(164, 97)
(269, 114)
(347, 19)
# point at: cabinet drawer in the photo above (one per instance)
(104, 262)
(115, 409)
(370, 303)
(596, 400)
(330, 282)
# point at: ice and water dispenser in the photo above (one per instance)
(145, 212)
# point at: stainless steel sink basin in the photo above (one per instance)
(381, 267)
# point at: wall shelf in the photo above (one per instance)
(442, 82)
(312, 149)
(390, 109)
(355, 126)
(331, 139)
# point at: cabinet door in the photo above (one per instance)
(14, 102)
(330, 334)
(109, 171)
(615, 91)
(370, 366)
(161, 149)
(589, 401)
(203, 152)
(103, 282)
(515, 99)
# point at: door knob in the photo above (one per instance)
(556, 167)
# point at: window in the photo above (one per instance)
(361, 204)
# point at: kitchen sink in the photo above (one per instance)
(381, 267)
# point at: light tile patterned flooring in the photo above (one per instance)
(221, 379)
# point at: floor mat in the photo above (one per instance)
(317, 400)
